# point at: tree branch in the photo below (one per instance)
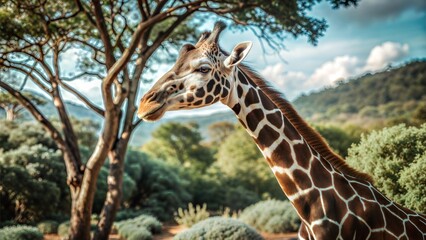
(124, 59)
(82, 98)
(86, 12)
(144, 13)
(73, 168)
(94, 74)
(34, 78)
(103, 31)
(67, 128)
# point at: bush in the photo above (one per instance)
(192, 215)
(63, 229)
(142, 227)
(126, 230)
(48, 227)
(159, 190)
(21, 232)
(140, 234)
(219, 228)
(271, 216)
(395, 157)
(127, 214)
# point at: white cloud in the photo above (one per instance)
(380, 56)
(328, 73)
(291, 82)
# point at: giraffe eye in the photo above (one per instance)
(203, 70)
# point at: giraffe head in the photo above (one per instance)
(201, 76)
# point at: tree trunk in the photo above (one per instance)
(115, 183)
(82, 202)
(80, 219)
(10, 114)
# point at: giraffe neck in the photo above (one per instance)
(296, 165)
(333, 200)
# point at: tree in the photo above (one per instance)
(179, 144)
(395, 157)
(239, 159)
(159, 190)
(338, 139)
(13, 107)
(29, 156)
(219, 131)
(117, 41)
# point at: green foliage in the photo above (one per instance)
(26, 133)
(23, 197)
(127, 214)
(64, 229)
(395, 157)
(20, 232)
(141, 227)
(397, 92)
(191, 216)
(271, 216)
(219, 228)
(48, 227)
(33, 172)
(338, 138)
(219, 131)
(179, 144)
(159, 190)
(240, 160)
(140, 234)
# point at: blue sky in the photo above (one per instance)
(367, 38)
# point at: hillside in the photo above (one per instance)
(394, 93)
(143, 132)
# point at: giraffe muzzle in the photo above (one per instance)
(152, 107)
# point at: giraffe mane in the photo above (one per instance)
(312, 137)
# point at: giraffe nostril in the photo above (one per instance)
(151, 97)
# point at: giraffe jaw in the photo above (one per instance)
(154, 114)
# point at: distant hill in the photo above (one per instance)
(143, 132)
(392, 93)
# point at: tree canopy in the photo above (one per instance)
(396, 158)
(179, 144)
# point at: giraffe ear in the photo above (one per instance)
(238, 54)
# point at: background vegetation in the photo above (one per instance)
(218, 167)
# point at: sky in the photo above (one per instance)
(368, 38)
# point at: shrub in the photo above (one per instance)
(192, 215)
(159, 190)
(219, 228)
(63, 229)
(140, 234)
(127, 214)
(271, 216)
(126, 230)
(48, 227)
(21, 232)
(142, 227)
(395, 157)
(7, 223)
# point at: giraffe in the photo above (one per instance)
(333, 200)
